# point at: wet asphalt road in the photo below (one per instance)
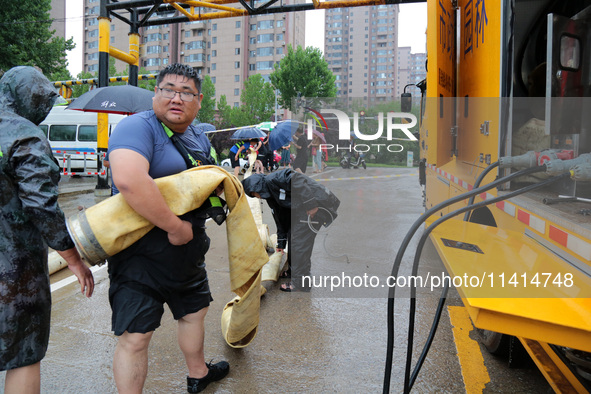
(321, 341)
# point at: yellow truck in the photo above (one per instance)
(508, 90)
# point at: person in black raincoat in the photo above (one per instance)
(30, 221)
(294, 197)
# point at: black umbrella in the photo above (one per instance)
(124, 99)
(248, 133)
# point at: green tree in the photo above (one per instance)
(302, 71)
(257, 102)
(26, 38)
(207, 111)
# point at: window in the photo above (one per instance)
(236, 64)
(153, 37)
(214, 53)
(213, 66)
(93, 68)
(238, 24)
(252, 27)
(93, 45)
(195, 45)
(265, 24)
(268, 65)
(151, 49)
(279, 51)
(236, 92)
(62, 132)
(152, 62)
(236, 78)
(195, 57)
(214, 40)
(265, 51)
(93, 56)
(252, 67)
(264, 38)
(237, 37)
(237, 51)
(87, 133)
(188, 33)
(279, 37)
(214, 27)
(93, 33)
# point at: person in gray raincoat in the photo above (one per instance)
(294, 197)
(30, 221)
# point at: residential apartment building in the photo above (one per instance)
(411, 70)
(229, 50)
(360, 47)
(58, 15)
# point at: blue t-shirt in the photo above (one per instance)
(143, 133)
(236, 146)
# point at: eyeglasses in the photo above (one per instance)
(185, 96)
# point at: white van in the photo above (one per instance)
(70, 131)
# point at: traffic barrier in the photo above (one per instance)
(66, 160)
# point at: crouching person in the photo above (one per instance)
(295, 199)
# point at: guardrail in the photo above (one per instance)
(67, 162)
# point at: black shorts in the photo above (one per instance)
(152, 272)
(138, 309)
(235, 163)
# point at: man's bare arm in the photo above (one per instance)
(130, 174)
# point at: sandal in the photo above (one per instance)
(286, 274)
(289, 288)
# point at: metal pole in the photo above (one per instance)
(102, 133)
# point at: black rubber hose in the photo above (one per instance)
(444, 292)
(407, 382)
(477, 184)
(404, 245)
(431, 336)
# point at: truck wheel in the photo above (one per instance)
(495, 342)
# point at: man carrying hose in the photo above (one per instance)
(167, 265)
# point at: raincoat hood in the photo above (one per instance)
(258, 184)
(27, 93)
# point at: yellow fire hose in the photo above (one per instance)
(272, 269)
(97, 238)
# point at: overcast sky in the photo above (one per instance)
(411, 29)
